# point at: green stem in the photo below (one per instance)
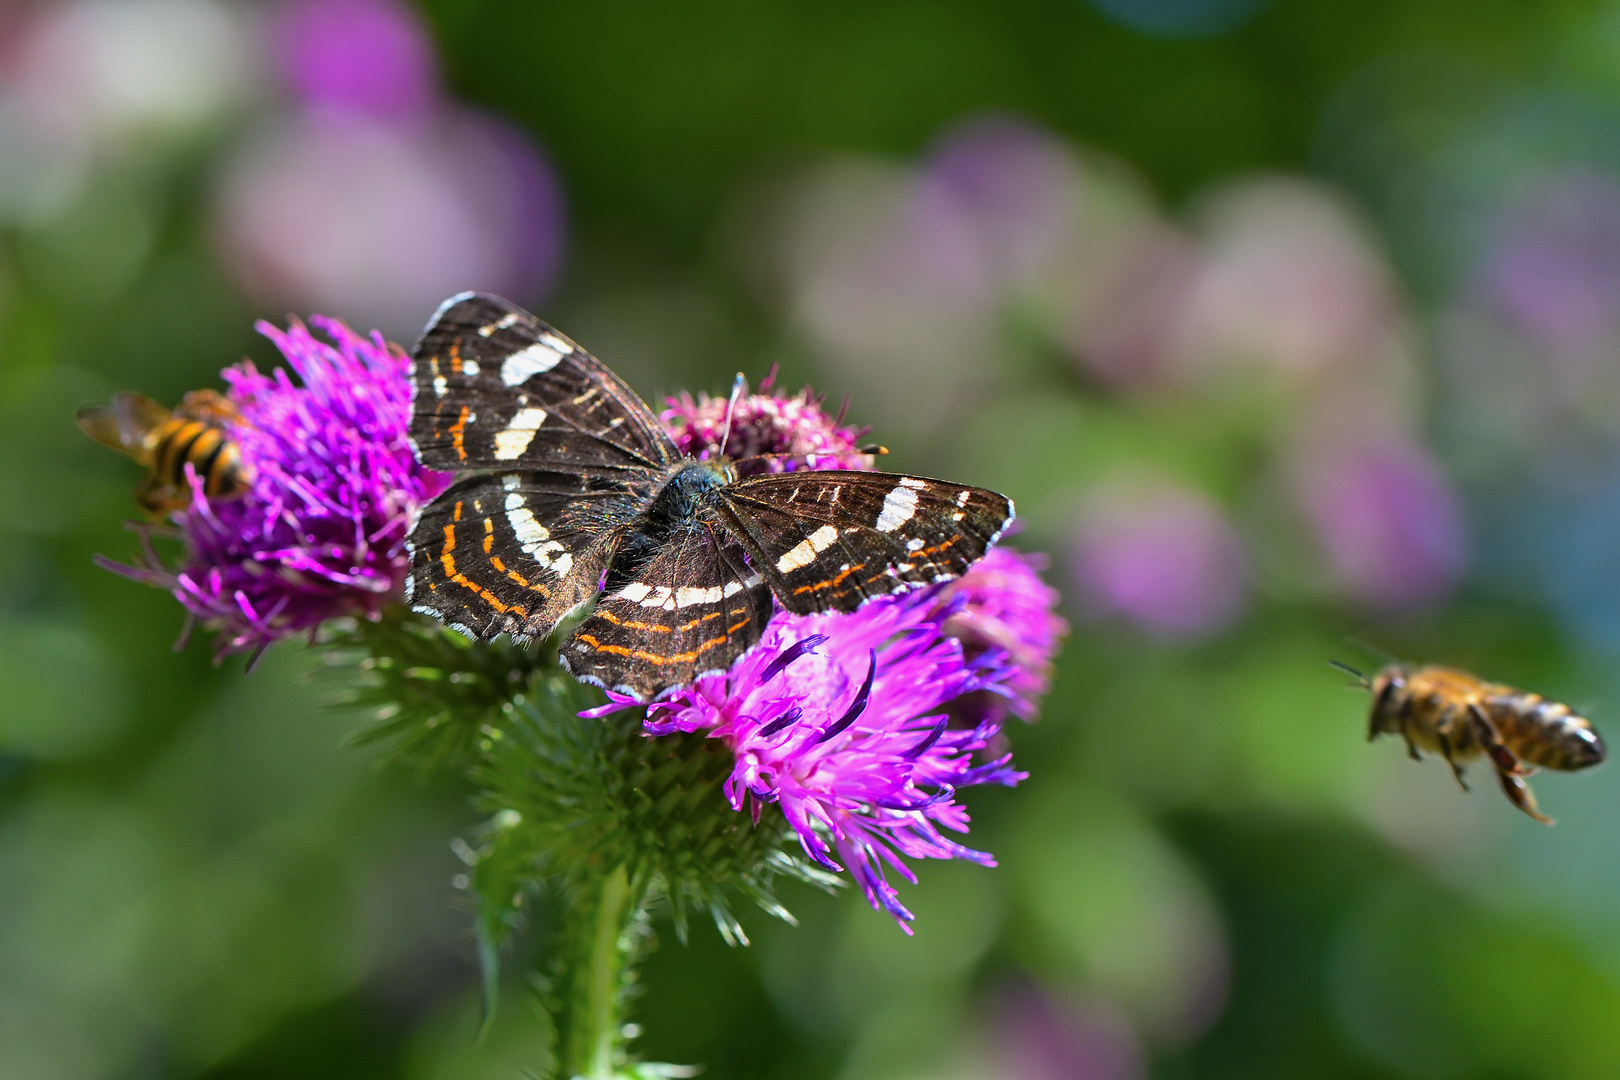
(606, 935)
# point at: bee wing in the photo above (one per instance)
(126, 425)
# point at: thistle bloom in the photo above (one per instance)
(852, 724)
(321, 531)
(765, 423)
(1006, 606)
(838, 720)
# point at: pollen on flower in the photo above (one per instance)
(321, 530)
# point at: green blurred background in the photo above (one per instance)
(1292, 327)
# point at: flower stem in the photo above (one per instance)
(606, 936)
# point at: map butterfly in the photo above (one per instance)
(569, 489)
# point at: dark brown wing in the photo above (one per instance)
(694, 607)
(833, 540)
(513, 552)
(493, 387)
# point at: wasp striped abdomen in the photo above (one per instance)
(196, 433)
(1462, 717)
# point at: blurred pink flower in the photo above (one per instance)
(1124, 328)
(1036, 1036)
(1555, 266)
(369, 56)
(380, 221)
(137, 69)
(1392, 528)
(1018, 183)
(1291, 282)
(885, 275)
(1162, 555)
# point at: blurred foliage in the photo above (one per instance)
(1209, 874)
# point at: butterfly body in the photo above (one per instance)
(568, 490)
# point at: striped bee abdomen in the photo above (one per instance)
(1545, 733)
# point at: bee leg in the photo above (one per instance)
(1405, 715)
(1485, 733)
(1456, 770)
(1509, 773)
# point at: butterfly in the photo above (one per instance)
(568, 489)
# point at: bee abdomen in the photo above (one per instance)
(1546, 733)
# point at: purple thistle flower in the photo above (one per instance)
(1006, 606)
(852, 724)
(765, 423)
(839, 720)
(321, 531)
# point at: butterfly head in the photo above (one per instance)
(688, 486)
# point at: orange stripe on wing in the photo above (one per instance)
(655, 658)
(829, 583)
(448, 560)
(458, 434)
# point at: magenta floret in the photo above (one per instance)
(1007, 606)
(840, 721)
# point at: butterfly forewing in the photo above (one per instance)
(832, 540)
(496, 388)
(513, 552)
(573, 488)
(693, 607)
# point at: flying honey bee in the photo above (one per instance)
(195, 432)
(1461, 717)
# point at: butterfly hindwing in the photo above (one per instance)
(831, 540)
(513, 552)
(693, 607)
(493, 387)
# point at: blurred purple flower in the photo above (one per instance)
(321, 531)
(121, 73)
(1390, 524)
(1124, 325)
(1290, 280)
(1018, 183)
(369, 56)
(375, 196)
(839, 720)
(765, 423)
(383, 221)
(1039, 1037)
(1006, 607)
(1555, 268)
(1161, 555)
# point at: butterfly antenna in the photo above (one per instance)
(1361, 679)
(738, 385)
